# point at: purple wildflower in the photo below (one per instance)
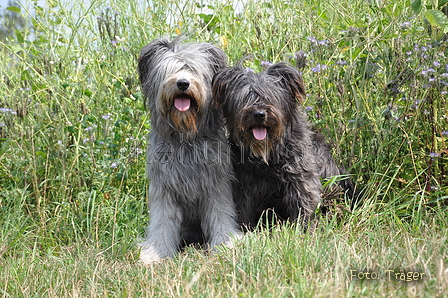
(316, 42)
(8, 111)
(318, 68)
(428, 71)
(265, 64)
(405, 25)
(324, 43)
(312, 39)
(416, 103)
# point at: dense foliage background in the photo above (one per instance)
(73, 135)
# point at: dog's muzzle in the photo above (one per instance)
(259, 132)
(183, 102)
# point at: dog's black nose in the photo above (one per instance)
(259, 115)
(183, 84)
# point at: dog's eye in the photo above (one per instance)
(186, 67)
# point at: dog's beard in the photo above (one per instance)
(184, 120)
(184, 113)
(261, 149)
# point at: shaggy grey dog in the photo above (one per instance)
(278, 157)
(188, 160)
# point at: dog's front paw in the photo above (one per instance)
(229, 241)
(233, 239)
(150, 255)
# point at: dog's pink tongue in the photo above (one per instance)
(260, 133)
(182, 103)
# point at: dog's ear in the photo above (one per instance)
(225, 84)
(219, 87)
(149, 57)
(290, 78)
(149, 54)
(216, 56)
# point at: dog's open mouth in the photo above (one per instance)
(182, 103)
(260, 133)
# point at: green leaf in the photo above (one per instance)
(71, 129)
(436, 18)
(87, 92)
(442, 3)
(57, 21)
(416, 6)
(205, 17)
(13, 8)
(41, 154)
(19, 36)
(25, 75)
(65, 85)
(35, 86)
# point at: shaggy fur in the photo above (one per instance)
(188, 161)
(278, 157)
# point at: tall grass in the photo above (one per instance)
(73, 135)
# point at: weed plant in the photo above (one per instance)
(73, 136)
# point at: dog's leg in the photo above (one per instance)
(164, 230)
(218, 221)
(246, 209)
(302, 198)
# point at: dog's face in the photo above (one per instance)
(176, 80)
(259, 107)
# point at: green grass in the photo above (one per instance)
(73, 135)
